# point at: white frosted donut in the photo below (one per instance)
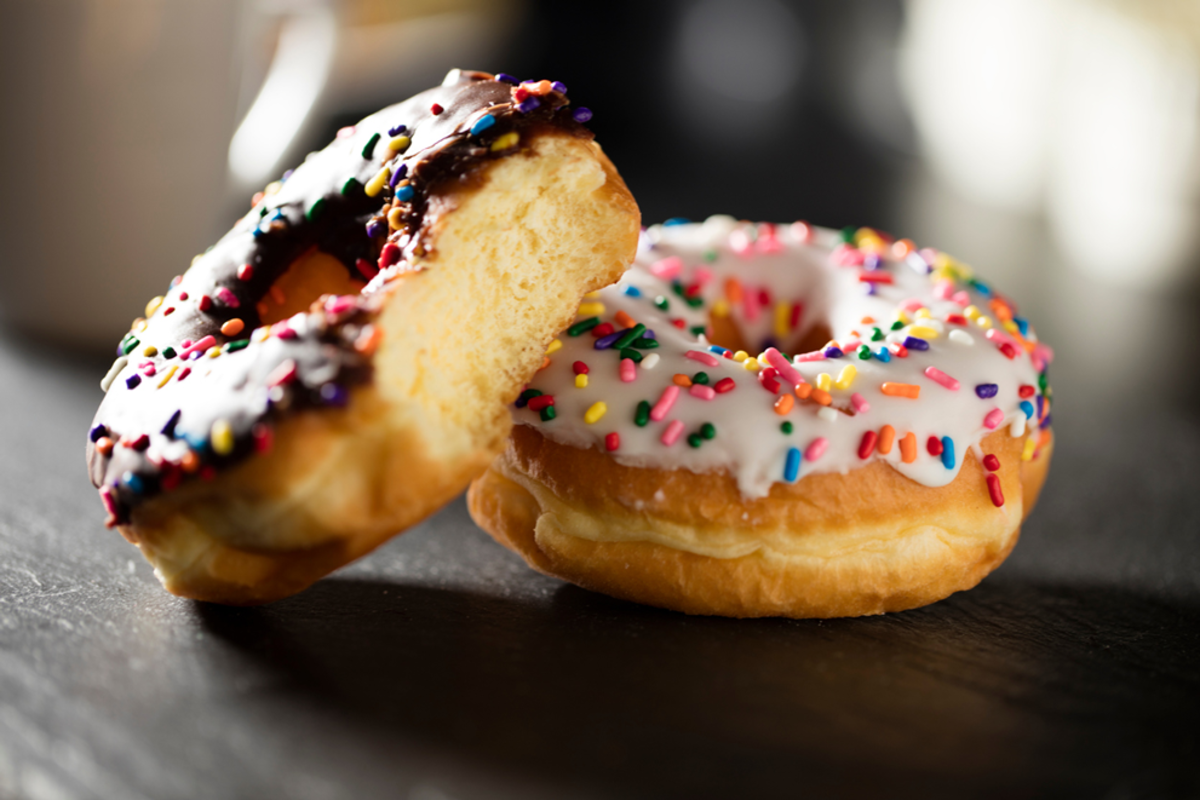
(887, 461)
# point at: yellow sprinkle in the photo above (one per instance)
(824, 381)
(506, 141)
(1030, 446)
(598, 410)
(581, 381)
(923, 313)
(751, 364)
(591, 309)
(720, 308)
(153, 305)
(170, 374)
(273, 187)
(984, 322)
(762, 359)
(196, 258)
(376, 184)
(150, 352)
(783, 314)
(214, 351)
(396, 218)
(222, 437)
(554, 347)
(261, 334)
(866, 239)
(399, 144)
(922, 332)
(846, 377)
(1011, 326)
(592, 295)
(903, 316)
(971, 312)
(740, 356)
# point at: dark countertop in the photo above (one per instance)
(440, 667)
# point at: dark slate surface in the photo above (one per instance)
(440, 667)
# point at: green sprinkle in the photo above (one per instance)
(529, 394)
(168, 352)
(351, 186)
(700, 378)
(630, 336)
(695, 440)
(548, 413)
(677, 288)
(642, 415)
(262, 212)
(632, 354)
(583, 326)
(697, 330)
(1043, 382)
(240, 344)
(786, 427)
(876, 335)
(708, 430)
(694, 302)
(315, 209)
(710, 255)
(129, 345)
(864, 353)
(661, 303)
(897, 325)
(646, 344)
(848, 234)
(369, 149)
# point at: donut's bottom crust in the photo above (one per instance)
(868, 542)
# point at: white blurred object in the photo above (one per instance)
(1086, 110)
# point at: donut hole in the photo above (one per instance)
(725, 332)
(308, 278)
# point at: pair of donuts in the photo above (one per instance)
(673, 453)
(308, 388)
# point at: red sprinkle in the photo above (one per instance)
(724, 385)
(991, 462)
(956, 319)
(139, 444)
(934, 446)
(540, 402)
(900, 351)
(1026, 390)
(366, 268)
(263, 437)
(769, 380)
(867, 445)
(245, 272)
(283, 373)
(876, 277)
(1009, 351)
(993, 482)
(580, 368)
(183, 373)
(603, 329)
(612, 441)
(183, 295)
(389, 255)
(205, 302)
(678, 323)
(436, 109)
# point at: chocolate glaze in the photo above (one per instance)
(163, 435)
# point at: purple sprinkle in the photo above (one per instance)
(648, 334)
(133, 380)
(95, 433)
(288, 174)
(396, 131)
(398, 176)
(605, 342)
(582, 114)
(376, 227)
(872, 262)
(986, 390)
(913, 343)
(1046, 422)
(1041, 402)
(869, 288)
(333, 394)
(504, 77)
(559, 86)
(833, 352)
(169, 428)
(528, 104)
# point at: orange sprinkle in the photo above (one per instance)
(784, 404)
(262, 309)
(908, 448)
(624, 320)
(190, 461)
(369, 339)
(902, 248)
(887, 435)
(821, 396)
(539, 88)
(868, 320)
(910, 390)
(1001, 309)
(104, 446)
(733, 290)
(277, 295)
(681, 380)
(803, 390)
(545, 363)
(233, 327)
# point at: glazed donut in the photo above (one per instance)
(340, 364)
(886, 466)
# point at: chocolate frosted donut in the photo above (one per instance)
(337, 366)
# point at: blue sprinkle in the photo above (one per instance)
(791, 467)
(582, 114)
(883, 354)
(947, 452)
(633, 291)
(1022, 325)
(482, 124)
(133, 482)
(197, 443)
(95, 433)
(258, 233)
(398, 175)
(133, 380)
(676, 221)
(981, 287)
(169, 428)
(833, 352)
(405, 193)
(1027, 407)
(504, 77)
(605, 342)
(716, 348)
(913, 343)
(986, 390)
(278, 214)
(559, 86)
(530, 103)
(396, 131)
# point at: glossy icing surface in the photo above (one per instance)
(903, 321)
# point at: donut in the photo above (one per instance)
(341, 363)
(877, 454)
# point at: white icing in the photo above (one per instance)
(799, 267)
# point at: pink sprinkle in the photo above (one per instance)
(286, 333)
(227, 297)
(993, 419)
(200, 346)
(942, 290)
(339, 304)
(816, 449)
(999, 338)
(702, 391)
(962, 298)
(346, 132)
(928, 253)
(1043, 353)
(768, 244)
(672, 433)
(750, 304)
(668, 268)
(628, 370)
(846, 256)
(815, 355)
(708, 359)
(912, 304)
(110, 503)
(663, 406)
(860, 404)
(785, 369)
(702, 275)
(285, 372)
(935, 374)
(739, 242)
(148, 370)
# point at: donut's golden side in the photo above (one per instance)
(512, 252)
(830, 545)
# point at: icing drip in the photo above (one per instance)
(920, 350)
